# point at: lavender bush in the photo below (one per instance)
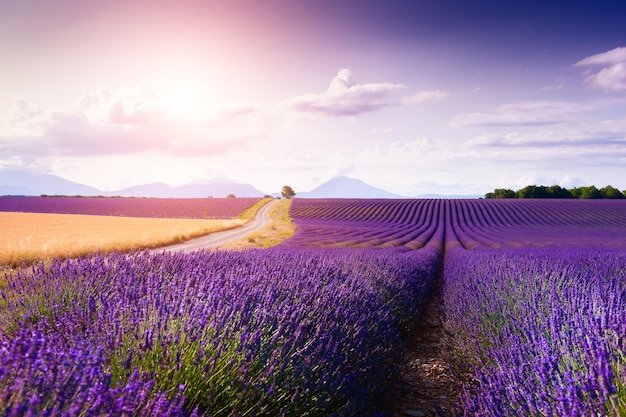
(41, 374)
(544, 330)
(274, 332)
(537, 305)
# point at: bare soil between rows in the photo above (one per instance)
(429, 384)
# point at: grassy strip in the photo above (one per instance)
(250, 212)
(280, 227)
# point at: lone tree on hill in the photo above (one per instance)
(287, 192)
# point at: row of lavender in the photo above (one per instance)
(267, 332)
(536, 306)
(542, 331)
(471, 224)
(365, 223)
(175, 208)
(575, 224)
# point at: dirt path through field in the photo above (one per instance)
(217, 239)
(428, 386)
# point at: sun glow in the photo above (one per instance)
(186, 99)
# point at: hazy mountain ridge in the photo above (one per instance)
(14, 182)
(25, 183)
(218, 190)
(346, 187)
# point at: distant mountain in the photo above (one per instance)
(211, 189)
(20, 182)
(156, 189)
(346, 187)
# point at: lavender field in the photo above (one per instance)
(534, 292)
(543, 330)
(534, 295)
(172, 208)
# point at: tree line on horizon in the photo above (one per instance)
(556, 191)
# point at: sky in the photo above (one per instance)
(413, 96)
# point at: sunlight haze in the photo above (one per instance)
(415, 97)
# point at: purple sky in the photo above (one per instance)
(414, 96)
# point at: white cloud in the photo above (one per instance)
(344, 97)
(515, 180)
(595, 144)
(510, 160)
(425, 96)
(342, 81)
(383, 131)
(557, 85)
(131, 106)
(530, 113)
(612, 75)
(342, 167)
(408, 167)
(613, 56)
(125, 121)
(23, 112)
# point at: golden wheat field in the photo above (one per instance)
(30, 237)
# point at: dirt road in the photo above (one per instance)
(217, 239)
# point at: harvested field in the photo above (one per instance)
(31, 237)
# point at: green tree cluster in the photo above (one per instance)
(556, 191)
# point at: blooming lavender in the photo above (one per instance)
(42, 374)
(267, 332)
(534, 295)
(359, 223)
(543, 329)
(535, 299)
